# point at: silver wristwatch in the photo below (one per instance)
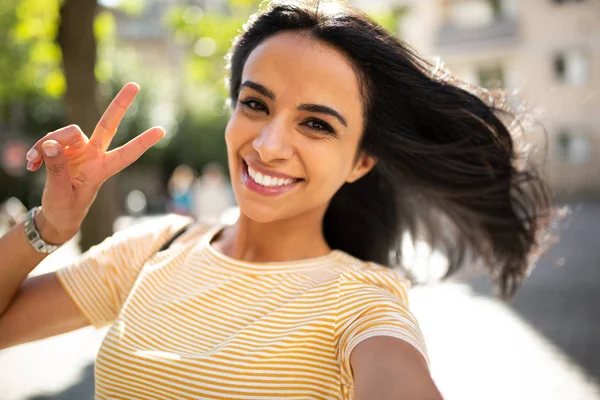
(33, 234)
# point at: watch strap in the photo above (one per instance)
(33, 234)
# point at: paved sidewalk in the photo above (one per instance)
(56, 368)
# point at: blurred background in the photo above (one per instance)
(62, 61)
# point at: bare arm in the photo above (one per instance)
(387, 368)
(17, 261)
(76, 168)
(34, 308)
(40, 309)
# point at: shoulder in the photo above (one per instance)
(364, 275)
(373, 303)
(147, 235)
(154, 227)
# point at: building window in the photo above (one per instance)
(571, 67)
(472, 13)
(573, 149)
(491, 77)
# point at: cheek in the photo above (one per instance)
(239, 135)
(238, 131)
(326, 166)
(230, 132)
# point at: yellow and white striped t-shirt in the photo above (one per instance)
(192, 323)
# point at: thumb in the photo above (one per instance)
(56, 166)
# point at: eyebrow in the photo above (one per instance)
(259, 88)
(317, 108)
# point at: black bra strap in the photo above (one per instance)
(179, 233)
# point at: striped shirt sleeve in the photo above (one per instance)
(100, 280)
(373, 303)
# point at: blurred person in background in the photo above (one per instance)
(180, 190)
(212, 193)
(340, 140)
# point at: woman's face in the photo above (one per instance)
(294, 132)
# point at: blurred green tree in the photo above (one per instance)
(51, 53)
(78, 44)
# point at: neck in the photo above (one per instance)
(293, 239)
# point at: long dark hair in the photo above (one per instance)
(447, 163)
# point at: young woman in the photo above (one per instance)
(340, 140)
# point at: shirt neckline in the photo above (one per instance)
(264, 268)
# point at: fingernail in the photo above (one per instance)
(29, 166)
(50, 149)
(32, 155)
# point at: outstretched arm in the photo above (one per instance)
(387, 368)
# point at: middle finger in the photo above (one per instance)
(107, 126)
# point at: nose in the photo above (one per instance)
(273, 142)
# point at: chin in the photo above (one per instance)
(261, 213)
(259, 218)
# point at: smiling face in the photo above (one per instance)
(294, 132)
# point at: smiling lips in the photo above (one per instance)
(266, 183)
(266, 180)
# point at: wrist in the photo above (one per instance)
(47, 232)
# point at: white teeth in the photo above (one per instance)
(266, 180)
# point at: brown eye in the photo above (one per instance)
(254, 105)
(319, 125)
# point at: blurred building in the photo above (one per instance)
(549, 50)
(143, 39)
(146, 36)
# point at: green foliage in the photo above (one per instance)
(208, 37)
(32, 83)
(30, 58)
(389, 18)
(104, 31)
(132, 7)
(198, 140)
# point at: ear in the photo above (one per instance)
(363, 165)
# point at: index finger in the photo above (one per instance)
(107, 126)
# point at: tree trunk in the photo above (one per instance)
(78, 44)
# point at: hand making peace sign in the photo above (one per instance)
(77, 166)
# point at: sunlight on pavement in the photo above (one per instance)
(50, 366)
(481, 349)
